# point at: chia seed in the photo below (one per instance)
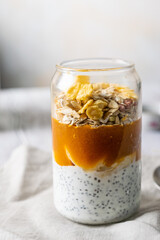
(77, 193)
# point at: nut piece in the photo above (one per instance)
(117, 120)
(113, 104)
(96, 104)
(121, 107)
(128, 102)
(82, 110)
(94, 113)
(118, 99)
(84, 92)
(97, 86)
(112, 119)
(74, 104)
(100, 104)
(82, 79)
(68, 111)
(116, 113)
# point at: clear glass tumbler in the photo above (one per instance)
(96, 130)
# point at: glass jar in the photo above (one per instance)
(96, 130)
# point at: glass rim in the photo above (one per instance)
(123, 65)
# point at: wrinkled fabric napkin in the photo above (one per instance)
(27, 211)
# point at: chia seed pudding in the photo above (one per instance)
(97, 197)
(96, 131)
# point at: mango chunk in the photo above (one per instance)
(94, 113)
(82, 79)
(100, 104)
(73, 91)
(82, 110)
(84, 92)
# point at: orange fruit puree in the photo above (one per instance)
(87, 147)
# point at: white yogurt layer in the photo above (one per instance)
(98, 197)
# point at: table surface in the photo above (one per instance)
(25, 119)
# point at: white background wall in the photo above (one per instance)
(36, 34)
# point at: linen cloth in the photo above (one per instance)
(27, 211)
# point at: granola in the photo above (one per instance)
(96, 104)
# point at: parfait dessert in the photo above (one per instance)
(96, 133)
